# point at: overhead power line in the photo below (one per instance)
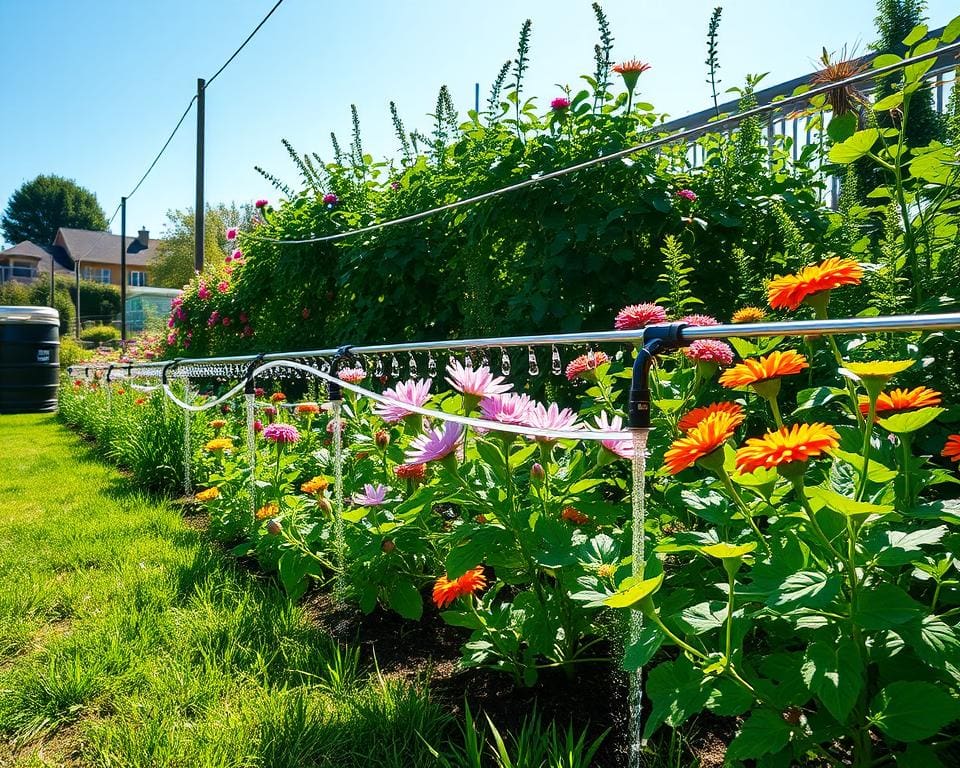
(163, 148)
(243, 44)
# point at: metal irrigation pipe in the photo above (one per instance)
(853, 325)
(688, 133)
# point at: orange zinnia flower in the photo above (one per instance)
(702, 440)
(952, 449)
(445, 591)
(315, 485)
(789, 444)
(309, 409)
(748, 315)
(900, 400)
(267, 510)
(754, 371)
(277, 397)
(694, 417)
(790, 291)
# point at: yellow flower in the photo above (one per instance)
(208, 495)
(748, 315)
(267, 510)
(878, 369)
(219, 444)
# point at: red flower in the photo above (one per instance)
(584, 365)
(445, 591)
(575, 516)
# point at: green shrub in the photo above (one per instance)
(71, 352)
(100, 333)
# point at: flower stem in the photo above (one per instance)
(798, 488)
(744, 510)
(867, 433)
(775, 408)
(729, 645)
(907, 456)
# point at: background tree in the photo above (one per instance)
(895, 19)
(172, 266)
(40, 207)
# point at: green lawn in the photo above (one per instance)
(127, 640)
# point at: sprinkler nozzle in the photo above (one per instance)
(250, 389)
(656, 338)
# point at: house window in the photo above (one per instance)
(137, 278)
(97, 274)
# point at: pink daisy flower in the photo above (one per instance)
(261, 204)
(232, 233)
(710, 351)
(509, 408)
(560, 103)
(475, 381)
(284, 434)
(409, 392)
(330, 199)
(639, 316)
(372, 496)
(698, 320)
(583, 366)
(352, 375)
(551, 417)
(621, 448)
(687, 194)
(435, 444)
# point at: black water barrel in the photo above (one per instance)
(29, 359)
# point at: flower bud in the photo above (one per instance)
(537, 474)
(324, 504)
(382, 439)
(388, 545)
(273, 527)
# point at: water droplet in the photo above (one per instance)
(378, 368)
(556, 367)
(468, 361)
(412, 367)
(532, 364)
(504, 362)
(431, 365)
(484, 360)
(394, 367)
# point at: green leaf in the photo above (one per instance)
(887, 103)
(951, 32)
(911, 421)
(632, 595)
(293, 568)
(473, 551)
(845, 505)
(638, 653)
(893, 548)
(703, 617)
(833, 672)
(918, 756)
(728, 699)
(885, 606)
(916, 35)
(842, 127)
(763, 732)
(877, 473)
(885, 60)
(855, 147)
(817, 396)
(405, 599)
(947, 510)
(913, 711)
(805, 589)
(933, 640)
(678, 691)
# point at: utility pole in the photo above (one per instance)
(76, 287)
(198, 209)
(123, 269)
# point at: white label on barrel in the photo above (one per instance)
(43, 355)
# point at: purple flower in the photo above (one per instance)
(261, 204)
(559, 104)
(283, 434)
(232, 233)
(330, 199)
(214, 318)
(407, 392)
(687, 194)
(372, 496)
(506, 408)
(621, 448)
(435, 444)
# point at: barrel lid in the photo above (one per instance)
(38, 315)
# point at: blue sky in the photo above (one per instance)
(93, 88)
